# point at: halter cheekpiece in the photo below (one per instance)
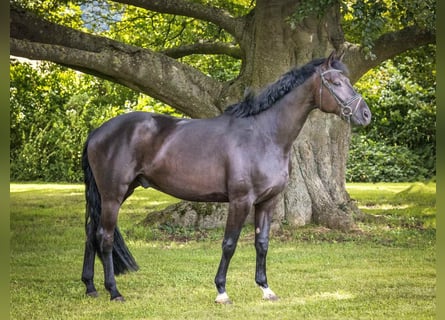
(345, 106)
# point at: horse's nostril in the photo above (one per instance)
(366, 114)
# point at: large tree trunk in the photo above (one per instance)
(317, 190)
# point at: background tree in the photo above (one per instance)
(267, 37)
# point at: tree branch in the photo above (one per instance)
(393, 43)
(177, 84)
(386, 47)
(204, 48)
(220, 17)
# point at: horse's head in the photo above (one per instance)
(335, 94)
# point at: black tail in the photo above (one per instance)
(123, 261)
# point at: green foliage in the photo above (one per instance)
(148, 104)
(309, 8)
(374, 161)
(64, 12)
(52, 110)
(40, 132)
(365, 21)
(400, 143)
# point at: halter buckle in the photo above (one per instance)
(346, 110)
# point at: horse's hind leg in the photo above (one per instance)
(105, 238)
(88, 262)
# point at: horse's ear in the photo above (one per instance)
(329, 60)
(333, 56)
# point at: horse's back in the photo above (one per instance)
(129, 123)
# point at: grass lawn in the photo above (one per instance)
(383, 270)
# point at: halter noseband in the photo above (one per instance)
(345, 106)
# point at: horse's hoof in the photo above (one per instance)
(93, 294)
(223, 298)
(271, 298)
(118, 299)
(227, 301)
(269, 295)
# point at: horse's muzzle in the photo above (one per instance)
(362, 116)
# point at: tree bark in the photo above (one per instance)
(321, 152)
(268, 47)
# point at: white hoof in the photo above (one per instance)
(223, 298)
(268, 294)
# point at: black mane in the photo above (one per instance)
(252, 105)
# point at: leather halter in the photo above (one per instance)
(345, 106)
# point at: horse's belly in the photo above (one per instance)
(194, 193)
(200, 197)
(192, 183)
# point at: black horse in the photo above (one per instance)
(240, 157)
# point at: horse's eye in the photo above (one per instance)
(336, 83)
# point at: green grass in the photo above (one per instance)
(385, 269)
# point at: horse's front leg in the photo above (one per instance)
(238, 211)
(263, 218)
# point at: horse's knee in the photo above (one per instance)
(262, 245)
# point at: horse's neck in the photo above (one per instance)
(290, 114)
